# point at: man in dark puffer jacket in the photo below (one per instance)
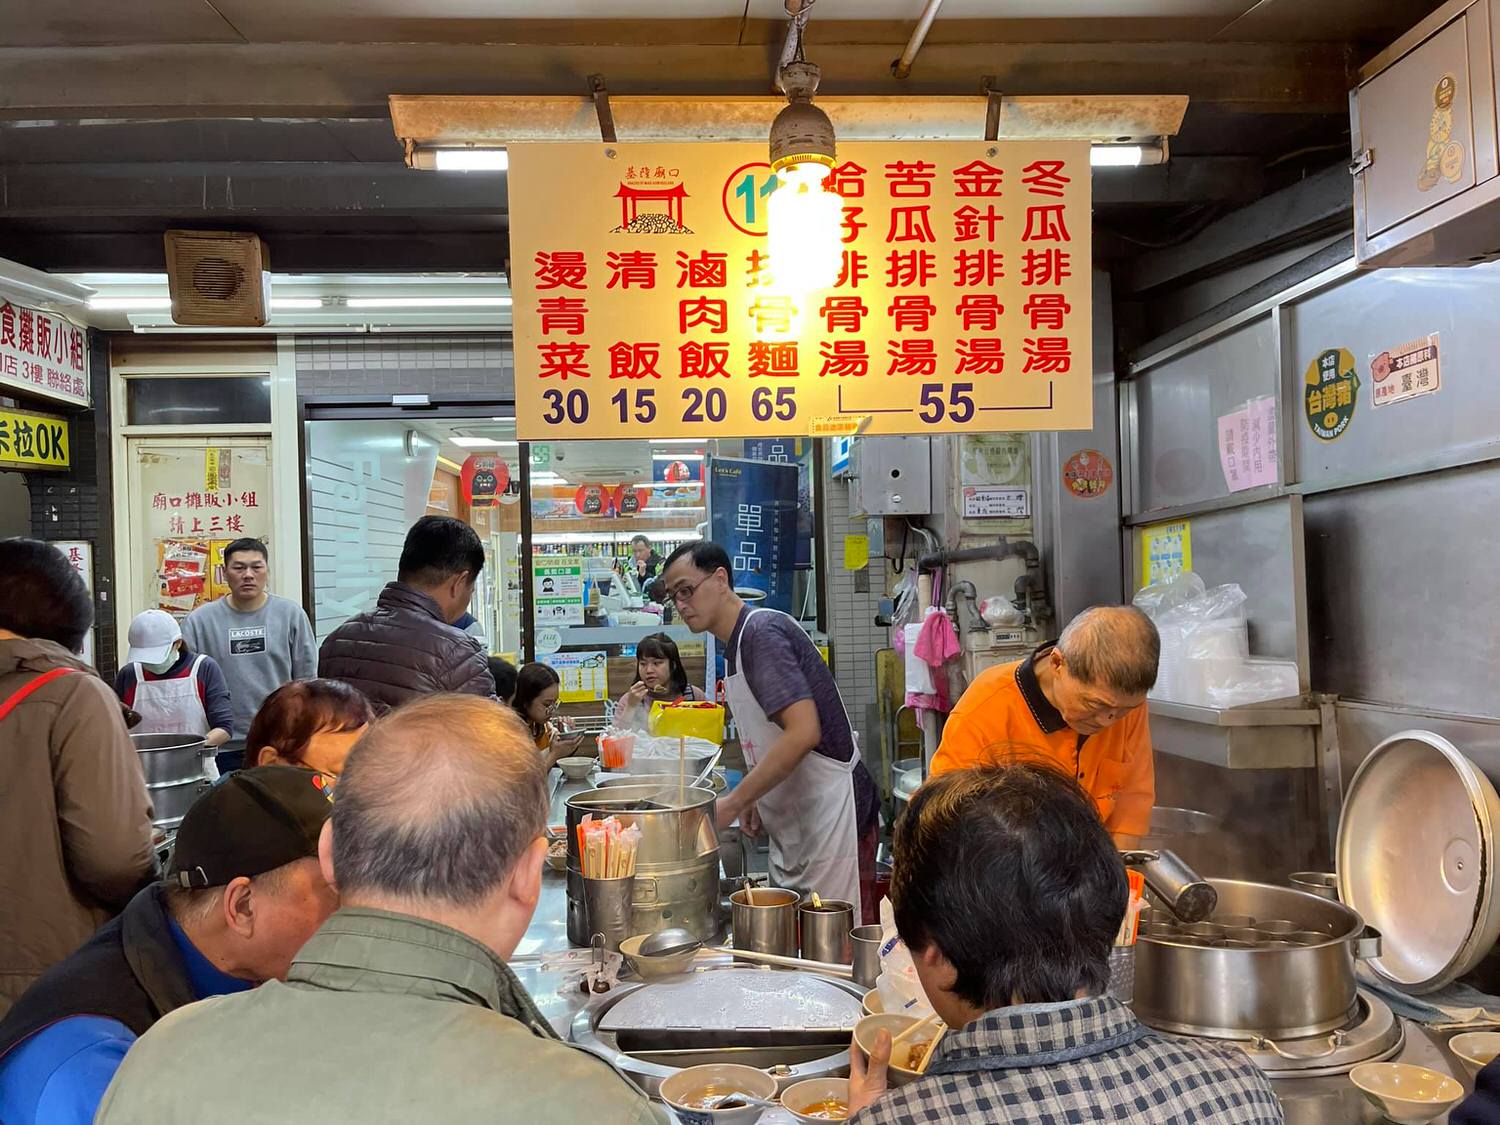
(407, 647)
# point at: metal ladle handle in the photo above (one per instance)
(1335, 1042)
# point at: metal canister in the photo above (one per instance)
(609, 907)
(175, 777)
(866, 942)
(825, 931)
(765, 920)
(677, 860)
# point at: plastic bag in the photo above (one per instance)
(1156, 599)
(689, 719)
(1250, 681)
(1001, 613)
(1196, 624)
(899, 989)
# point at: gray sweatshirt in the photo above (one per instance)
(258, 651)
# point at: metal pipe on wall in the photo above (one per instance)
(902, 66)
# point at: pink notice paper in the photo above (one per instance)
(1247, 445)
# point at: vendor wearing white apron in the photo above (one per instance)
(806, 786)
(173, 690)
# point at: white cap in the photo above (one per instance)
(151, 637)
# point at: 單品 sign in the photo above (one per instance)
(645, 299)
(43, 354)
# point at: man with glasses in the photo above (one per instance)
(806, 787)
(261, 641)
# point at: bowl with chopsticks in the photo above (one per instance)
(689, 1089)
(913, 1041)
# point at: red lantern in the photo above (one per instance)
(483, 479)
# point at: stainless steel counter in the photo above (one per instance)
(1307, 1101)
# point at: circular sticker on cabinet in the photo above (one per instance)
(1088, 473)
(1329, 392)
(548, 641)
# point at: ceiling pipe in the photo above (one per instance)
(901, 68)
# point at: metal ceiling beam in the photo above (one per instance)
(354, 79)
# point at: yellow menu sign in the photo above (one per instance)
(645, 298)
(33, 441)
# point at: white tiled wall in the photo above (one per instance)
(853, 634)
(349, 365)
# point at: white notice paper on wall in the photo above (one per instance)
(1247, 445)
(997, 503)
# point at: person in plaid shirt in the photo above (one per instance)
(1009, 892)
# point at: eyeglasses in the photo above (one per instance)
(684, 593)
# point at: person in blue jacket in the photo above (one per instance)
(1482, 1107)
(243, 892)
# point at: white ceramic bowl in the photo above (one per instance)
(576, 769)
(804, 1095)
(1408, 1095)
(1475, 1049)
(872, 1004)
(864, 1039)
(721, 1078)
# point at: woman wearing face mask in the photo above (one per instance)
(173, 690)
(659, 675)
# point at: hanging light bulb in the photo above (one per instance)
(803, 219)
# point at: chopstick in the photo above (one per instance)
(921, 1067)
(914, 1028)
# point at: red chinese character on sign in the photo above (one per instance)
(1046, 267)
(174, 501)
(912, 314)
(848, 180)
(845, 359)
(235, 525)
(710, 311)
(7, 324)
(854, 269)
(910, 180)
(912, 357)
(907, 268)
(562, 314)
(773, 361)
(978, 267)
(634, 361)
(968, 219)
(1046, 224)
(1048, 354)
(983, 355)
(159, 502)
(631, 269)
(44, 337)
(193, 500)
(1047, 310)
(248, 500)
(197, 525)
(843, 314)
(910, 224)
(977, 178)
(75, 351)
(561, 269)
(772, 315)
(215, 525)
(704, 270)
(1044, 177)
(26, 337)
(703, 361)
(563, 361)
(214, 500)
(758, 274)
(174, 525)
(980, 312)
(852, 225)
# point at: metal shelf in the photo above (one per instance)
(1274, 736)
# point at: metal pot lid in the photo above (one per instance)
(730, 999)
(1416, 858)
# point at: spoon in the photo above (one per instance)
(735, 1101)
(669, 942)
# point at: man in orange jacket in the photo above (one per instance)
(1078, 705)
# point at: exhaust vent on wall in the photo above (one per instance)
(218, 278)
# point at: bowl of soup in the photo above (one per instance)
(689, 1090)
(904, 1055)
(817, 1099)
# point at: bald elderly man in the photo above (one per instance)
(1079, 705)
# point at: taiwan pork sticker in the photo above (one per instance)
(1088, 474)
(1405, 371)
(1330, 390)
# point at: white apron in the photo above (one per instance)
(170, 706)
(810, 817)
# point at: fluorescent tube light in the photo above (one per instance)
(427, 302)
(471, 159)
(1116, 156)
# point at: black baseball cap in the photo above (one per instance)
(252, 822)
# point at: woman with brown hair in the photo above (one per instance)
(308, 723)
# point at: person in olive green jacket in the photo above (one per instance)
(401, 1007)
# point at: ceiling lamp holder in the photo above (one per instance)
(801, 132)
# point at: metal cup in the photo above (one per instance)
(1324, 884)
(765, 920)
(607, 908)
(825, 931)
(866, 943)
